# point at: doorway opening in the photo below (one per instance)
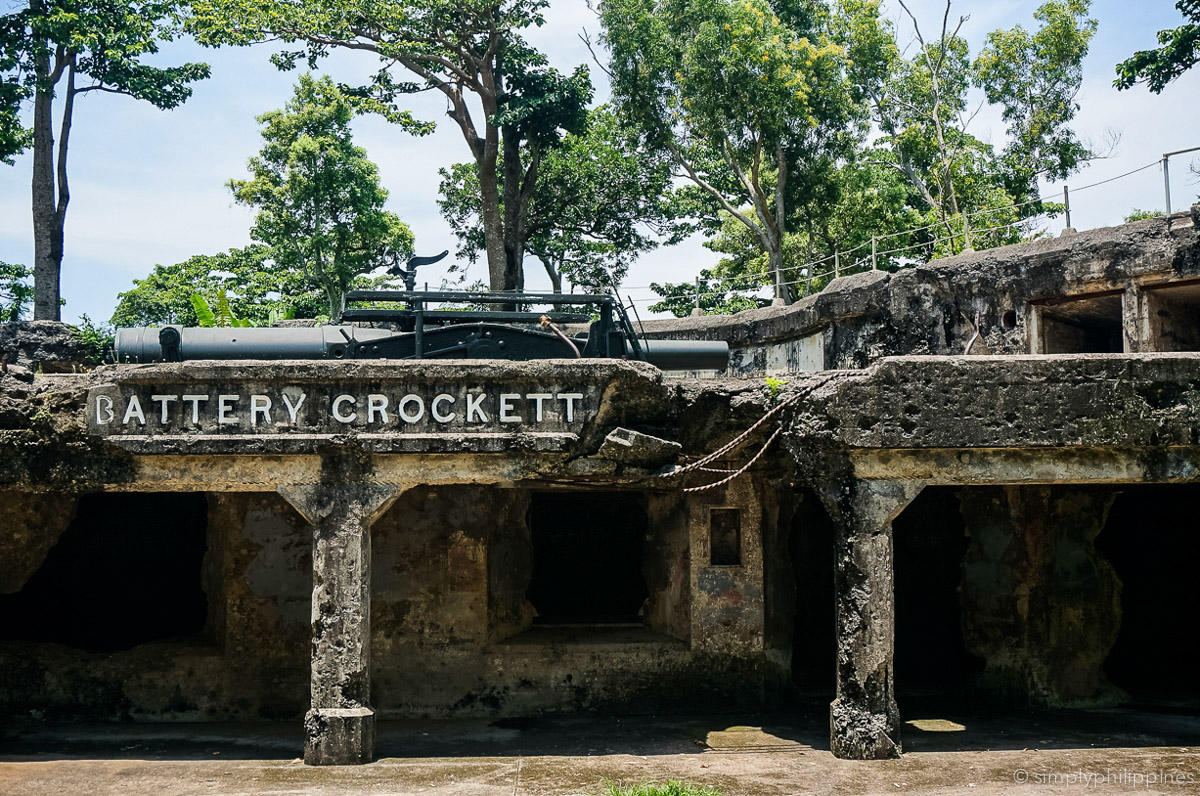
(929, 544)
(126, 571)
(588, 552)
(814, 636)
(1152, 539)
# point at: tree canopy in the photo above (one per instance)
(744, 95)
(601, 201)
(246, 277)
(61, 49)
(320, 205)
(460, 48)
(922, 185)
(1179, 52)
(16, 292)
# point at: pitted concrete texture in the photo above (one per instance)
(48, 346)
(950, 753)
(985, 299)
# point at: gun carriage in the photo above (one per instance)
(418, 331)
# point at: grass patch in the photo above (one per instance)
(667, 789)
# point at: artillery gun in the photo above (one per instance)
(420, 332)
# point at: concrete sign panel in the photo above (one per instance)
(288, 407)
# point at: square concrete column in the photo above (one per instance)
(339, 729)
(864, 721)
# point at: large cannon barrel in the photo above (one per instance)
(179, 343)
(684, 354)
(147, 343)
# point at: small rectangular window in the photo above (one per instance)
(1088, 324)
(725, 537)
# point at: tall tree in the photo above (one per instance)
(61, 49)
(601, 201)
(1035, 78)
(461, 48)
(320, 205)
(1180, 51)
(743, 94)
(920, 105)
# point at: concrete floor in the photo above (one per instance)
(947, 752)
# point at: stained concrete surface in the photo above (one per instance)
(948, 751)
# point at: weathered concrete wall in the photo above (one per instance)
(938, 307)
(29, 527)
(46, 346)
(1040, 605)
(251, 663)
(451, 624)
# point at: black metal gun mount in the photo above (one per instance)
(422, 333)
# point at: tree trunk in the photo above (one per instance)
(336, 296)
(775, 264)
(514, 239)
(493, 222)
(47, 229)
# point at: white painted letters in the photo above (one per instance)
(506, 407)
(196, 400)
(163, 401)
(389, 412)
(537, 398)
(337, 404)
(433, 408)
(134, 410)
(260, 405)
(475, 407)
(104, 404)
(224, 407)
(377, 405)
(292, 409)
(570, 398)
(405, 401)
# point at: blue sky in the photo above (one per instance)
(147, 186)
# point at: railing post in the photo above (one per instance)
(1067, 204)
(966, 232)
(696, 311)
(874, 261)
(1166, 161)
(837, 265)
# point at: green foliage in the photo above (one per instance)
(16, 292)
(673, 788)
(774, 387)
(747, 96)
(222, 316)
(319, 199)
(920, 104)
(1138, 215)
(456, 47)
(1034, 78)
(103, 44)
(1179, 52)
(600, 202)
(254, 286)
(97, 339)
(924, 187)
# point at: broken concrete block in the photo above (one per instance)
(626, 446)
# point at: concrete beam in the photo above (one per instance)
(1049, 465)
(340, 726)
(864, 721)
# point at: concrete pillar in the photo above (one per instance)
(864, 722)
(1040, 605)
(340, 726)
